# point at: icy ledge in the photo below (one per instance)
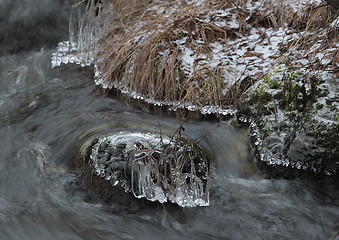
(67, 52)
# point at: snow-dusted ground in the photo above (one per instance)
(248, 55)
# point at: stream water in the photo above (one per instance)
(45, 110)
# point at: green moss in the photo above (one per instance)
(292, 114)
(272, 78)
(322, 91)
(262, 96)
(291, 84)
(295, 76)
(272, 81)
(265, 97)
(333, 108)
(336, 116)
(292, 91)
(310, 134)
(319, 106)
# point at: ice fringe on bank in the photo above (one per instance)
(248, 56)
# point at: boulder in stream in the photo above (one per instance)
(128, 165)
(294, 123)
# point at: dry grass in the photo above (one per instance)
(205, 87)
(314, 20)
(156, 60)
(223, 4)
(139, 51)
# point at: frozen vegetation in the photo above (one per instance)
(280, 58)
(158, 168)
(295, 122)
(198, 55)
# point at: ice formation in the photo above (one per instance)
(86, 26)
(289, 135)
(153, 167)
(84, 32)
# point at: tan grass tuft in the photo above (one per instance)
(138, 49)
(205, 87)
(151, 64)
(316, 21)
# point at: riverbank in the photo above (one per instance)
(203, 56)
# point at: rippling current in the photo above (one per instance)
(45, 110)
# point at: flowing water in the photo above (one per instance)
(45, 110)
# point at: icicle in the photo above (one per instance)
(87, 24)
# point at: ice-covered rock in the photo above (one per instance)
(157, 168)
(295, 123)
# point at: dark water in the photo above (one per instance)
(44, 111)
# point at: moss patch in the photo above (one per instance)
(294, 121)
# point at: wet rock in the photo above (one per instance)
(294, 128)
